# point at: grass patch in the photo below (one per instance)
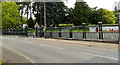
(58, 29)
(1, 62)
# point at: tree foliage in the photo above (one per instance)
(80, 13)
(55, 13)
(102, 15)
(10, 15)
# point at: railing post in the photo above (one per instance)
(100, 30)
(84, 30)
(8, 30)
(5, 31)
(11, 31)
(36, 32)
(26, 31)
(22, 31)
(51, 32)
(40, 33)
(70, 31)
(59, 32)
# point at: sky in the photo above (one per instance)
(107, 4)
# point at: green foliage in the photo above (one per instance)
(66, 24)
(0, 15)
(55, 13)
(1, 62)
(102, 15)
(80, 13)
(24, 20)
(10, 15)
(31, 23)
(106, 16)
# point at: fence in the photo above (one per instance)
(96, 36)
(20, 32)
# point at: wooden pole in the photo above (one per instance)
(45, 20)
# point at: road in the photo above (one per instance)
(46, 51)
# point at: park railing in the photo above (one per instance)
(94, 36)
(13, 31)
(66, 34)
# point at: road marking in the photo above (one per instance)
(98, 56)
(43, 45)
(26, 42)
(51, 46)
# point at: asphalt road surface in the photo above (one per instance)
(46, 51)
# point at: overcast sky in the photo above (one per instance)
(107, 4)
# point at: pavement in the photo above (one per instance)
(86, 43)
(60, 51)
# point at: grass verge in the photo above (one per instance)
(1, 62)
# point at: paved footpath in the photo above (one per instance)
(12, 58)
(85, 43)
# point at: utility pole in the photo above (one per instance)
(30, 8)
(45, 20)
(119, 19)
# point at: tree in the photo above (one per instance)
(93, 16)
(31, 23)
(106, 16)
(10, 15)
(38, 12)
(102, 15)
(81, 13)
(55, 13)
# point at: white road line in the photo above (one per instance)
(51, 46)
(27, 42)
(98, 56)
(43, 45)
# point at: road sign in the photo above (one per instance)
(36, 25)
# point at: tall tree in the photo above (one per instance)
(81, 13)
(55, 12)
(38, 12)
(26, 9)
